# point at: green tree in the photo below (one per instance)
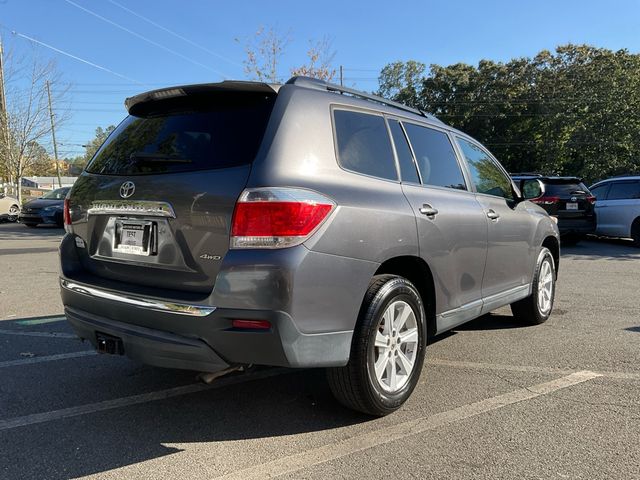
(94, 144)
(572, 111)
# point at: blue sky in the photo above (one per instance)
(365, 35)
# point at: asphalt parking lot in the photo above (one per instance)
(495, 400)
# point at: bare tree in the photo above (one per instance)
(320, 62)
(263, 54)
(27, 123)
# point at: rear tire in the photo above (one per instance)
(537, 307)
(387, 350)
(635, 232)
(570, 239)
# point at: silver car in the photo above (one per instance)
(618, 207)
(9, 208)
(297, 225)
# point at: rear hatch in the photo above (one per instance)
(574, 200)
(154, 206)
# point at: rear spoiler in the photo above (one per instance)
(137, 102)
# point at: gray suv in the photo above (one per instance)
(296, 225)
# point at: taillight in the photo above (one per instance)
(277, 217)
(591, 199)
(545, 200)
(67, 213)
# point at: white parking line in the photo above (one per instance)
(47, 358)
(326, 453)
(136, 399)
(527, 369)
(38, 334)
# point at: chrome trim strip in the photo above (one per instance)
(135, 207)
(452, 318)
(168, 307)
(457, 316)
(505, 298)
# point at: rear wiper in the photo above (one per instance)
(158, 157)
(578, 191)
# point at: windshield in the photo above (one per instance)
(57, 194)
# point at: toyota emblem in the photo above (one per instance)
(573, 199)
(127, 189)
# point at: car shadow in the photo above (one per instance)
(18, 230)
(596, 248)
(295, 402)
(492, 321)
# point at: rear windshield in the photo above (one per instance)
(197, 134)
(565, 188)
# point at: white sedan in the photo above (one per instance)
(9, 208)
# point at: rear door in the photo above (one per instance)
(620, 208)
(452, 228)
(604, 223)
(510, 257)
(154, 206)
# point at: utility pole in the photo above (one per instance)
(53, 136)
(341, 76)
(4, 117)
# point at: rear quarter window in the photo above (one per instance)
(363, 144)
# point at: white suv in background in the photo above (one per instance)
(618, 207)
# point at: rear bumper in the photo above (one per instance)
(204, 341)
(580, 226)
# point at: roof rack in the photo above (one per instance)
(318, 84)
(528, 174)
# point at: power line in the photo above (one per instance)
(67, 54)
(146, 39)
(175, 34)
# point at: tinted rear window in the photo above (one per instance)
(564, 188)
(364, 145)
(196, 134)
(624, 190)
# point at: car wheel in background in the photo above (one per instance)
(537, 307)
(570, 239)
(387, 350)
(635, 232)
(14, 211)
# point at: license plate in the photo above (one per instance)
(133, 237)
(572, 206)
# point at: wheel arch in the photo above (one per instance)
(416, 270)
(554, 247)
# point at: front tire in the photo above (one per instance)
(537, 307)
(387, 350)
(14, 211)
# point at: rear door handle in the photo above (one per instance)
(493, 215)
(428, 210)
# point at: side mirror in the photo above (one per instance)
(532, 189)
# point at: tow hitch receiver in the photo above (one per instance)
(109, 344)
